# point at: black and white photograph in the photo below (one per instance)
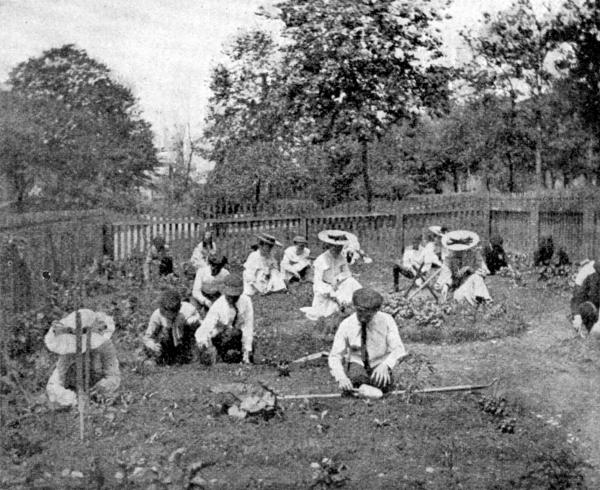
(299, 244)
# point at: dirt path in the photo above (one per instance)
(549, 370)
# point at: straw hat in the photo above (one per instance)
(438, 230)
(300, 239)
(269, 239)
(333, 237)
(60, 339)
(460, 240)
(232, 285)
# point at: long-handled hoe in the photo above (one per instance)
(374, 393)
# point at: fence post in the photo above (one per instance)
(400, 228)
(534, 225)
(589, 230)
(487, 215)
(108, 240)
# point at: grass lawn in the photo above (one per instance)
(167, 426)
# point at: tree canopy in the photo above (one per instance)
(97, 146)
(343, 75)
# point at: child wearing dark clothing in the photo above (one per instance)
(543, 255)
(494, 254)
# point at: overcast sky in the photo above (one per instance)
(162, 49)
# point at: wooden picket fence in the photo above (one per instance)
(60, 243)
(235, 236)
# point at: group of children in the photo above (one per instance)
(461, 265)
(217, 321)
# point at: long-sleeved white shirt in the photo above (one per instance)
(586, 270)
(412, 258)
(423, 257)
(160, 327)
(429, 256)
(205, 279)
(294, 262)
(221, 316)
(329, 271)
(257, 266)
(383, 344)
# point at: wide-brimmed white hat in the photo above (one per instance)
(460, 240)
(60, 339)
(437, 230)
(268, 239)
(333, 237)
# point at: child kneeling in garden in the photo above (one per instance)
(227, 330)
(105, 376)
(370, 341)
(170, 333)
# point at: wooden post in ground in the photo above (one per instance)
(400, 228)
(487, 215)
(79, 369)
(3, 368)
(86, 365)
(534, 225)
(589, 231)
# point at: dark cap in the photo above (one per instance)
(496, 240)
(158, 241)
(170, 300)
(232, 285)
(367, 298)
(217, 259)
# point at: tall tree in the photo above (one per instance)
(244, 131)
(355, 68)
(95, 133)
(511, 56)
(579, 26)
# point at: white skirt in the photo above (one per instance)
(289, 273)
(262, 285)
(324, 306)
(471, 289)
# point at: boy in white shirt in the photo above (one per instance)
(207, 282)
(169, 336)
(370, 343)
(412, 262)
(227, 331)
(295, 264)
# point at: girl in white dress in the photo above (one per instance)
(333, 284)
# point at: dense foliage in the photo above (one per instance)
(307, 109)
(89, 143)
(353, 100)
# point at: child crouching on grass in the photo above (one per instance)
(227, 330)
(370, 341)
(169, 338)
(105, 376)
